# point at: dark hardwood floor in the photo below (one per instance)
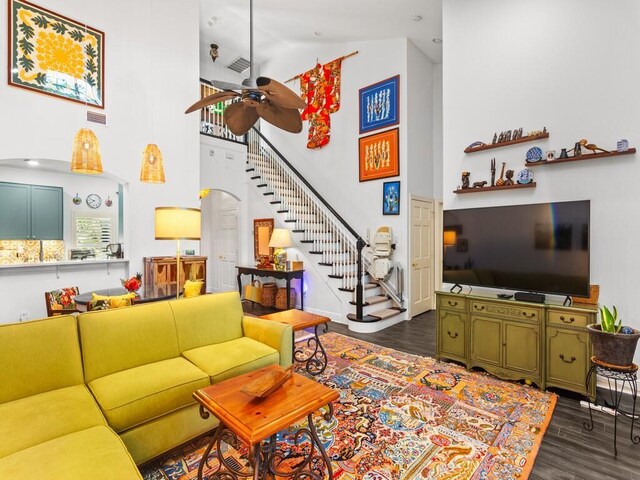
(568, 451)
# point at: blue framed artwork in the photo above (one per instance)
(391, 198)
(379, 105)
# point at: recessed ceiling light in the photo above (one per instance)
(436, 40)
(31, 162)
(317, 34)
(416, 18)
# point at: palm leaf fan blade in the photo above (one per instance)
(239, 118)
(288, 119)
(210, 100)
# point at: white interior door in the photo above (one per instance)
(422, 256)
(224, 242)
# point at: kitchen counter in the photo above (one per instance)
(67, 265)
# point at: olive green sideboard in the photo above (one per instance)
(545, 344)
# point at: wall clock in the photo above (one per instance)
(94, 200)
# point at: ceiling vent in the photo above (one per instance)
(96, 117)
(239, 65)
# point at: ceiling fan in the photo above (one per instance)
(260, 97)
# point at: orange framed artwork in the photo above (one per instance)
(379, 155)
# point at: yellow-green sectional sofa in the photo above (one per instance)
(92, 396)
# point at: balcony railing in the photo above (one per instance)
(211, 117)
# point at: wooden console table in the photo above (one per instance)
(288, 275)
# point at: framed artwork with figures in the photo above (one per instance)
(379, 155)
(379, 105)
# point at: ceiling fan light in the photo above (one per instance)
(152, 169)
(85, 156)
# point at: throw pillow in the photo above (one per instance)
(116, 301)
(192, 288)
(99, 305)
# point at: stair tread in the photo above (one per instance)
(376, 299)
(282, 211)
(386, 313)
(254, 177)
(261, 185)
(275, 202)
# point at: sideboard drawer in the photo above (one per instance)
(564, 318)
(452, 302)
(514, 311)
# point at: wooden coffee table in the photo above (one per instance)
(316, 361)
(256, 421)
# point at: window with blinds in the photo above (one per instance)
(92, 233)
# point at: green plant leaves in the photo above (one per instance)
(41, 21)
(26, 63)
(27, 30)
(90, 51)
(59, 27)
(77, 35)
(91, 65)
(609, 322)
(26, 46)
(89, 79)
(41, 78)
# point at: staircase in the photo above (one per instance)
(325, 236)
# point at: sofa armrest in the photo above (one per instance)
(276, 335)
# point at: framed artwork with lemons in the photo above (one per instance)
(55, 55)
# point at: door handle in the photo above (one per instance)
(414, 265)
(529, 316)
(571, 319)
(452, 335)
(573, 359)
(452, 304)
(481, 307)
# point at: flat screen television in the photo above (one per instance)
(541, 248)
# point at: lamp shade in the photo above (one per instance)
(177, 223)
(280, 238)
(152, 170)
(449, 238)
(85, 157)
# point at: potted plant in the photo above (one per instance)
(613, 343)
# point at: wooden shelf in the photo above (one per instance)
(585, 156)
(489, 146)
(493, 189)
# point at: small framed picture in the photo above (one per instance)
(462, 245)
(391, 198)
(551, 155)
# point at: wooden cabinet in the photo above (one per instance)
(30, 212)
(161, 272)
(545, 344)
(568, 353)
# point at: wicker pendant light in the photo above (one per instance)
(152, 170)
(85, 157)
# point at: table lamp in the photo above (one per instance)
(280, 240)
(177, 223)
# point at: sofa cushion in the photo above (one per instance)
(235, 357)
(96, 453)
(137, 395)
(207, 319)
(32, 420)
(120, 339)
(39, 356)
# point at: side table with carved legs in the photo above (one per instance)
(256, 422)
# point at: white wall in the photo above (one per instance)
(536, 63)
(438, 159)
(151, 76)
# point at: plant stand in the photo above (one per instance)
(616, 377)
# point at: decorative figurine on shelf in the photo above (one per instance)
(501, 137)
(500, 181)
(551, 155)
(592, 146)
(465, 180)
(577, 149)
(524, 176)
(495, 138)
(563, 154)
(509, 175)
(508, 137)
(535, 133)
(476, 144)
(493, 172)
(544, 129)
(622, 145)
(479, 184)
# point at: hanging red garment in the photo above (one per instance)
(320, 89)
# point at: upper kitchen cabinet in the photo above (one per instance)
(30, 212)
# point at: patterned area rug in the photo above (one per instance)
(402, 416)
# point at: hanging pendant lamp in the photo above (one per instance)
(85, 157)
(152, 170)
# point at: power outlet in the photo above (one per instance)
(24, 316)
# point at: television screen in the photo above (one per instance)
(538, 248)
